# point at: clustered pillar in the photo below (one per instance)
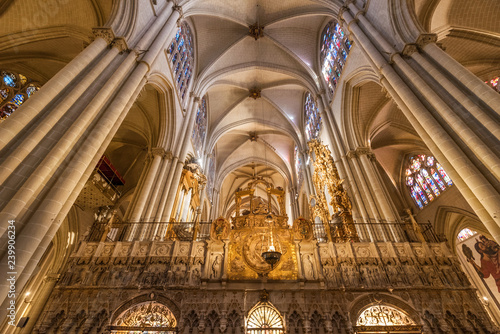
(457, 102)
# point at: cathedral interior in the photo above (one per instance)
(250, 166)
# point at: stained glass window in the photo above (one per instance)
(264, 319)
(15, 89)
(298, 168)
(145, 316)
(425, 179)
(382, 315)
(200, 127)
(182, 54)
(465, 234)
(335, 48)
(211, 175)
(494, 83)
(312, 118)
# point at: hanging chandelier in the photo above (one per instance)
(271, 252)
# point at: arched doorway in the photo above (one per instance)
(146, 318)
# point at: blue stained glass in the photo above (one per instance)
(344, 54)
(445, 176)
(429, 181)
(172, 47)
(18, 99)
(424, 186)
(348, 44)
(183, 59)
(312, 118)
(333, 38)
(417, 200)
(436, 178)
(31, 89)
(181, 43)
(420, 194)
(9, 79)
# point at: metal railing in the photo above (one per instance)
(386, 231)
(143, 231)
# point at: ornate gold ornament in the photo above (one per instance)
(220, 229)
(252, 234)
(302, 229)
(339, 226)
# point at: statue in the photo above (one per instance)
(215, 269)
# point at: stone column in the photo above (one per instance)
(156, 155)
(154, 198)
(43, 127)
(33, 106)
(182, 147)
(49, 282)
(433, 134)
(55, 200)
(373, 212)
(484, 93)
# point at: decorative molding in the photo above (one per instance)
(105, 33)
(120, 44)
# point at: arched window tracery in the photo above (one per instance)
(148, 316)
(335, 48)
(181, 52)
(15, 89)
(200, 128)
(426, 179)
(312, 118)
(265, 319)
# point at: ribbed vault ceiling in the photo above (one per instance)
(282, 65)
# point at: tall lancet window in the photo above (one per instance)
(312, 118)
(335, 47)
(426, 179)
(182, 57)
(200, 128)
(298, 168)
(15, 89)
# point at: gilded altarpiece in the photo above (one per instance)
(251, 232)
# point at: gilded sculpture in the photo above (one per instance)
(339, 225)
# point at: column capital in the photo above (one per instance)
(120, 44)
(177, 8)
(425, 39)
(161, 152)
(363, 151)
(351, 154)
(409, 49)
(105, 33)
